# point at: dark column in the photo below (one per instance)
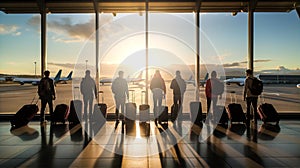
(250, 35)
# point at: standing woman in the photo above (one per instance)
(158, 89)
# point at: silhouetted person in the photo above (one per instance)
(158, 89)
(213, 88)
(46, 93)
(249, 97)
(88, 90)
(119, 88)
(179, 86)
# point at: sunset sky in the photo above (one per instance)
(223, 40)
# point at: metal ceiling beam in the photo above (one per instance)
(119, 6)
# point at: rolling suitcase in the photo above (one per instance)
(267, 112)
(24, 115)
(224, 116)
(75, 110)
(196, 112)
(235, 111)
(130, 108)
(60, 114)
(144, 110)
(163, 113)
(100, 109)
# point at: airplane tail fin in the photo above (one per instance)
(69, 77)
(206, 77)
(191, 78)
(57, 76)
(140, 75)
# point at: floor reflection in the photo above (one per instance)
(144, 144)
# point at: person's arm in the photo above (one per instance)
(208, 88)
(245, 88)
(164, 86)
(52, 88)
(95, 90)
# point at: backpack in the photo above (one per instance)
(44, 88)
(257, 87)
(217, 87)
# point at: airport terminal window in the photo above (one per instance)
(171, 42)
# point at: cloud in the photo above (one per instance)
(242, 63)
(66, 30)
(63, 65)
(9, 29)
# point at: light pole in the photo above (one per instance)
(86, 61)
(35, 69)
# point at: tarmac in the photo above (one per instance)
(285, 98)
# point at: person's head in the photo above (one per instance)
(249, 72)
(121, 74)
(213, 74)
(177, 73)
(157, 73)
(87, 73)
(47, 73)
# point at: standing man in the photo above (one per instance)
(179, 86)
(46, 93)
(249, 97)
(88, 90)
(158, 89)
(120, 89)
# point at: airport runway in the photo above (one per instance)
(285, 98)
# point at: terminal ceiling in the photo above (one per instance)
(130, 6)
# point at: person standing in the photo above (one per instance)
(179, 86)
(46, 93)
(158, 88)
(213, 88)
(250, 98)
(88, 90)
(119, 88)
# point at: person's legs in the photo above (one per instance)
(248, 100)
(122, 104)
(117, 108)
(155, 106)
(90, 107)
(214, 101)
(50, 104)
(85, 107)
(43, 104)
(208, 102)
(254, 104)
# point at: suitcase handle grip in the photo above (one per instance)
(33, 100)
(102, 96)
(132, 96)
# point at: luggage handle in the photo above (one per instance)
(132, 96)
(76, 87)
(262, 99)
(231, 95)
(102, 95)
(164, 100)
(143, 92)
(37, 100)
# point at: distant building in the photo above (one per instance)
(285, 79)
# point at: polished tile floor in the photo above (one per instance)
(147, 145)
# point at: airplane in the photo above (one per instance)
(201, 83)
(238, 81)
(36, 81)
(128, 79)
(65, 79)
